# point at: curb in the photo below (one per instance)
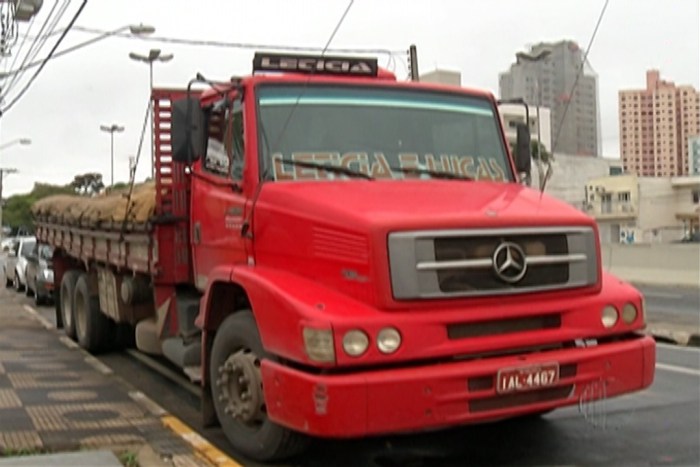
(200, 446)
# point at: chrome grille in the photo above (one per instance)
(435, 264)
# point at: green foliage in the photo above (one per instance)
(16, 211)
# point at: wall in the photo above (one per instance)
(668, 264)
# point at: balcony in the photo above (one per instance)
(602, 209)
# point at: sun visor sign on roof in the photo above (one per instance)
(315, 64)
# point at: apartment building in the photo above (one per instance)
(655, 126)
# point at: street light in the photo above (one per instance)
(22, 141)
(8, 171)
(154, 55)
(111, 129)
(135, 29)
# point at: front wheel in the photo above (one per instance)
(236, 385)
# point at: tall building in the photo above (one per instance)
(656, 124)
(546, 76)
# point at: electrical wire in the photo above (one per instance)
(246, 46)
(34, 47)
(578, 74)
(240, 45)
(41, 67)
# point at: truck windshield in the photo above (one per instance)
(378, 131)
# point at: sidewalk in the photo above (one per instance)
(54, 398)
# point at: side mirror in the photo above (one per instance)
(187, 130)
(523, 159)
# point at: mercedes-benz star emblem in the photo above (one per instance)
(509, 262)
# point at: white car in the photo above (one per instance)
(16, 263)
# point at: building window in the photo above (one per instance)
(696, 196)
(624, 196)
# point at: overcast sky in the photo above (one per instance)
(99, 84)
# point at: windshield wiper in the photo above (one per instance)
(328, 168)
(432, 173)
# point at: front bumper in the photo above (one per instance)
(448, 394)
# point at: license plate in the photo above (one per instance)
(527, 378)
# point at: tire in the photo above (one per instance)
(38, 299)
(17, 284)
(27, 290)
(64, 303)
(57, 310)
(8, 281)
(92, 327)
(260, 439)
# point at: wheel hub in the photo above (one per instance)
(240, 384)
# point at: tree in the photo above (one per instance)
(88, 184)
(16, 211)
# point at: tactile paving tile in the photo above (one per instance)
(2, 369)
(71, 396)
(84, 416)
(19, 440)
(9, 399)
(65, 379)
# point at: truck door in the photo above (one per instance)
(217, 196)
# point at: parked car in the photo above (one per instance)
(8, 259)
(39, 274)
(17, 262)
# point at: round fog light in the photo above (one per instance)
(388, 340)
(629, 313)
(355, 342)
(609, 316)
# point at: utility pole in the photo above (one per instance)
(413, 62)
(3, 172)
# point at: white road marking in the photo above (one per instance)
(98, 365)
(677, 369)
(44, 322)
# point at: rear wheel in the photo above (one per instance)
(8, 280)
(92, 327)
(38, 299)
(236, 385)
(65, 302)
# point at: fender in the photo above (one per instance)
(283, 303)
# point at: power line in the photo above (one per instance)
(241, 45)
(48, 57)
(202, 43)
(38, 42)
(578, 74)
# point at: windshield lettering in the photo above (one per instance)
(378, 166)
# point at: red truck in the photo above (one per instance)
(335, 253)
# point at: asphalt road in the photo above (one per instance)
(679, 305)
(658, 426)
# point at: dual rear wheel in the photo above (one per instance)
(79, 312)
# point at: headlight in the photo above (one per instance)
(319, 344)
(629, 313)
(609, 316)
(388, 340)
(355, 342)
